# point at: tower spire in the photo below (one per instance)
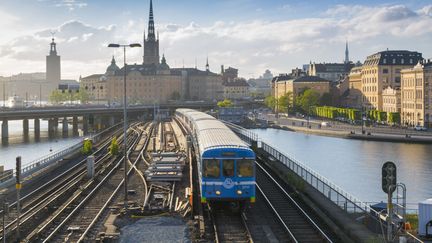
(151, 29)
(207, 65)
(346, 53)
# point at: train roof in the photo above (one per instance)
(212, 133)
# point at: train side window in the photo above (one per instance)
(228, 168)
(245, 167)
(211, 168)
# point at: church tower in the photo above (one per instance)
(151, 43)
(53, 74)
(346, 61)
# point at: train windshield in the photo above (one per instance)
(245, 168)
(211, 168)
(228, 168)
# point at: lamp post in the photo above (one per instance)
(124, 117)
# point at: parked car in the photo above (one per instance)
(325, 124)
(420, 128)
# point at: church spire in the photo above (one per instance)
(346, 53)
(207, 65)
(151, 29)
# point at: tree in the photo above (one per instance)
(326, 99)
(225, 103)
(114, 148)
(308, 99)
(57, 96)
(285, 102)
(82, 96)
(175, 95)
(270, 102)
(87, 147)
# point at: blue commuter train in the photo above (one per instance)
(225, 163)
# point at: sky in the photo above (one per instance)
(249, 35)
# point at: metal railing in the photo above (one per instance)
(347, 202)
(337, 195)
(49, 159)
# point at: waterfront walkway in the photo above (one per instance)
(337, 129)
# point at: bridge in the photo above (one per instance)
(91, 117)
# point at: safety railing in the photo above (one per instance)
(337, 195)
(49, 159)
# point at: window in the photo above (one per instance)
(211, 168)
(228, 168)
(385, 70)
(397, 79)
(245, 168)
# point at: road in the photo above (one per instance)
(341, 126)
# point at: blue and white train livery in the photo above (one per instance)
(225, 163)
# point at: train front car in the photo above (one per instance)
(225, 163)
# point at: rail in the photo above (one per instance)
(47, 160)
(347, 202)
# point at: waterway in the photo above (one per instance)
(31, 149)
(355, 165)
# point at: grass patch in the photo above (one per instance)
(413, 220)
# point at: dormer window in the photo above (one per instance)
(394, 60)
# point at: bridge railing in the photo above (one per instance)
(337, 195)
(49, 159)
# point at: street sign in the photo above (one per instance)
(388, 177)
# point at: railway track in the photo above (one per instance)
(39, 203)
(60, 226)
(228, 225)
(298, 223)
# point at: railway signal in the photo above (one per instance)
(389, 185)
(388, 177)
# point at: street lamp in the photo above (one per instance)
(125, 116)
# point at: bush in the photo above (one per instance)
(114, 148)
(87, 147)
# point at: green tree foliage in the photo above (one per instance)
(326, 100)
(270, 102)
(393, 118)
(57, 96)
(114, 148)
(308, 99)
(225, 103)
(334, 112)
(286, 103)
(87, 147)
(175, 95)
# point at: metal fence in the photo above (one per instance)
(337, 195)
(49, 159)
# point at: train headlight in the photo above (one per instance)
(239, 192)
(218, 192)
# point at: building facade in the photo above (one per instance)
(353, 97)
(391, 100)
(416, 95)
(236, 89)
(382, 70)
(286, 84)
(330, 71)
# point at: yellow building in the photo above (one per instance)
(416, 95)
(236, 89)
(391, 100)
(283, 84)
(382, 70)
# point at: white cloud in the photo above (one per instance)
(70, 4)
(249, 46)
